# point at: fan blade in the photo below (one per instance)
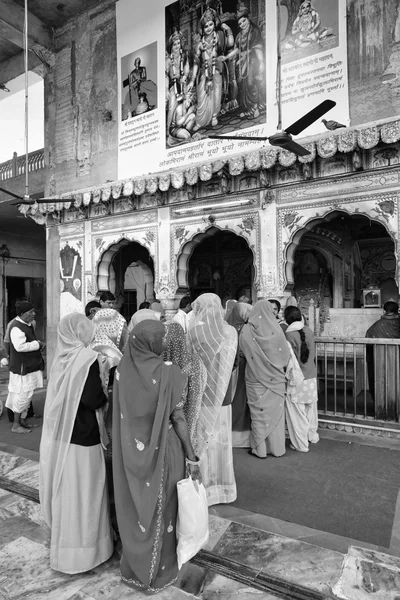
(292, 146)
(11, 194)
(309, 118)
(237, 137)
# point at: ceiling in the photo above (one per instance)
(44, 16)
(11, 220)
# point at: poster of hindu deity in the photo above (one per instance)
(192, 69)
(215, 69)
(313, 41)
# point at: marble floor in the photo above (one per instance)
(268, 550)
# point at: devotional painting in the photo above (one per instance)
(214, 68)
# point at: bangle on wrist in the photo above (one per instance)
(193, 462)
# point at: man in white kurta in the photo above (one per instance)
(26, 365)
(184, 312)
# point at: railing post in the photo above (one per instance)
(14, 164)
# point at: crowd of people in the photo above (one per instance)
(131, 409)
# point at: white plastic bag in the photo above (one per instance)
(192, 523)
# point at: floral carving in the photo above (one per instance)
(181, 234)
(385, 209)
(149, 237)
(290, 220)
(368, 138)
(390, 132)
(248, 223)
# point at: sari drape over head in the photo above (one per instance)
(175, 350)
(148, 458)
(111, 329)
(144, 314)
(215, 342)
(267, 354)
(68, 375)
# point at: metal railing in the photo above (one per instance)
(359, 378)
(16, 166)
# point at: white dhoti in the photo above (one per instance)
(20, 390)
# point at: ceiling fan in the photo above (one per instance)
(283, 137)
(26, 199)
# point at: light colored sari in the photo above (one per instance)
(267, 354)
(215, 342)
(72, 490)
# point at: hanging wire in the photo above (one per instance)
(26, 49)
(278, 64)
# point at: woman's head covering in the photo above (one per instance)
(144, 314)
(239, 315)
(175, 350)
(291, 301)
(68, 375)
(215, 342)
(111, 329)
(146, 392)
(264, 346)
(229, 307)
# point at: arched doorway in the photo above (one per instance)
(221, 263)
(127, 270)
(340, 257)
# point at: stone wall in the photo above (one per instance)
(81, 103)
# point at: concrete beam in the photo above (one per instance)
(15, 66)
(12, 24)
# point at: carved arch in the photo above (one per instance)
(309, 225)
(183, 258)
(105, 270)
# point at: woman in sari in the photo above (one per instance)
(267, 353)
(150, 444)
(175, 351)
(241, 423)
(144, 314)
(110, 340)
(110, 327)
(215, 342)
(301, 405)
(73, 491)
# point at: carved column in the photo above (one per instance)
(53, 291)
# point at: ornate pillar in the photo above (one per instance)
(268, 283)
(53, 291)
(165, 288)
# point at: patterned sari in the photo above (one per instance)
(148, 459)
(215, 342)
(175, 350)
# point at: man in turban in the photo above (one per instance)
(26, 365)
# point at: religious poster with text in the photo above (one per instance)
(193, 69)
(313, 45)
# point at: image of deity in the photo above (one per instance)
(306, 34)
(214, 69)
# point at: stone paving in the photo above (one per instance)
(325, 565)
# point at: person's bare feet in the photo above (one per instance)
(19, 429)
(27, 425)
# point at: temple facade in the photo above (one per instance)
(263, 221)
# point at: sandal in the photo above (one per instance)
(256, 455)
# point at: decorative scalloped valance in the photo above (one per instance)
(325, 146)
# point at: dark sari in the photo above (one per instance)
(148, 459)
